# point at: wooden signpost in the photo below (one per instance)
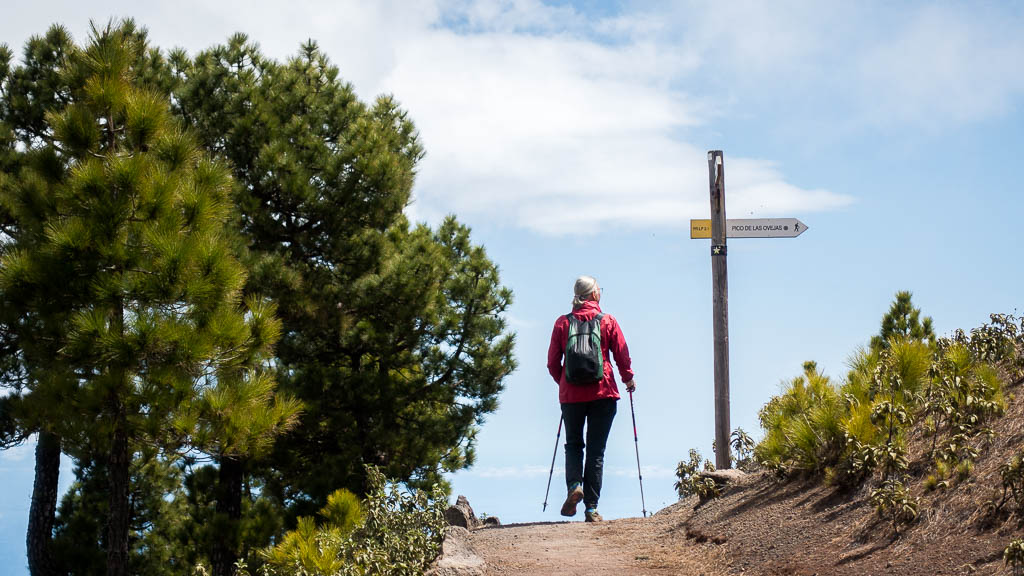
(718, 229)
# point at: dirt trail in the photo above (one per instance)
(655, 546)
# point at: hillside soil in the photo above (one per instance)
(765, 526)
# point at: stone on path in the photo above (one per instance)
(457, 555)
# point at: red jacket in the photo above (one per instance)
(612, 341)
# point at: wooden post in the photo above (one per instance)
(720, 304)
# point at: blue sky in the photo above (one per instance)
(573, 138)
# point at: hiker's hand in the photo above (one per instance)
(631, 385)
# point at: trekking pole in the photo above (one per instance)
(552, 473)
(636, 443)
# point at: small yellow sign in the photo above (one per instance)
(700, 228)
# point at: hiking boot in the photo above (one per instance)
(593, 516)
(574, 497)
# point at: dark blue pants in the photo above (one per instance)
(598, 416)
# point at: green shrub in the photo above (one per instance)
(1013, 556)
(802, 425)
(845, 434)
(742, 450)
(938, 479)
(964, 469)
(964, 393)
(1012, 474)
(395, 532)
(317, 549)
(343, 510)
(883, 392)
(308, 550)
(858, 391)
(691, 483)
(908, 360)
(1001, 342)
(892, 500)
(401, 533)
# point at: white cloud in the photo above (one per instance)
(511, 472)
(564, 135)
(650, 471)
(542, 116)
(758, 188)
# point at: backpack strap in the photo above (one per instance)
(572, 318)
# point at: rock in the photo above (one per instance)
(722, 477)
(492, 521)
(457, 555)
(461, 514)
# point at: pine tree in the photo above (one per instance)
(393, 335)
(29, 333)
(903, 320)
(27, 340)
(129, 273)
(236, 420)
(121, 296)
(158, 518)
(10, 160)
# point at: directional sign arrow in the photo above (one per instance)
(764, 228)
(751, 228)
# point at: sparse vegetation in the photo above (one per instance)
(1011, 488)
(690, 482)
(892, 500)
(964, 393)
(1012, 473)
(905, 380)
(742, 450)
(396, 532)
(1013, 556)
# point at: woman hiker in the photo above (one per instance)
(587, 390)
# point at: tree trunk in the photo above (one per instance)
(44, 504)
(229, 512)
(118, 516)
(120, 474)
